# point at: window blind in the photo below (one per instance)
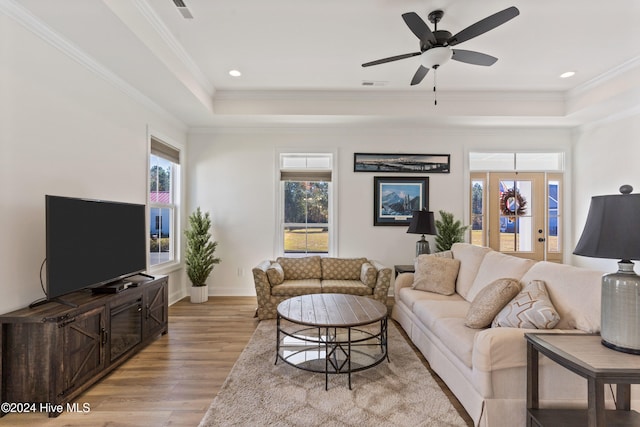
(165, 151)
(324, 176)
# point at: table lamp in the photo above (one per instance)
(423, 223)
(612, 231)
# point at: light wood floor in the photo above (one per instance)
(172, 381)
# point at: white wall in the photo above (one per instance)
(606, 156)
(64, 131)
(232, 174)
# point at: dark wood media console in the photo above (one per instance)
(52, 353)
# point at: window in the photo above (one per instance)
(478, 215)
(164, 173)
(306, 220)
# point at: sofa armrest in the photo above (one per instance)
(263, 287)
(383, 282)
(404, 280)
(504, 348)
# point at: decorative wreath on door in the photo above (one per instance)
(512, 203)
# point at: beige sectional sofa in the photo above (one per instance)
(287, 277)
(486, 368)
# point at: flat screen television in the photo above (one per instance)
(92, 242)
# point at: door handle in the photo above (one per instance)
(541, 239)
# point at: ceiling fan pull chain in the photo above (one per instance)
(435, 96)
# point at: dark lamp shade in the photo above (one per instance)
(422, 222)
(612, 229)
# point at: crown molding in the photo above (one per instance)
(29, 21)
(174, 45)
(602, 79)
(387, 95)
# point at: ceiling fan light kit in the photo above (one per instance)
(435, 46)
(435, 57)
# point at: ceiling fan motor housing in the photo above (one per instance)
(442, 36)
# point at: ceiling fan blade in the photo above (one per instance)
(471, 57)
(391, 58)
(484, 25)
(419, 75)
(419, 28)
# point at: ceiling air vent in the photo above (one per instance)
(374, 83)
(182, 8)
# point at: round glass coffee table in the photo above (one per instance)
(331, 333)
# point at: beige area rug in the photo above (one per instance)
(401, 392)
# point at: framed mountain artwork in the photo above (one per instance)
(395, 199)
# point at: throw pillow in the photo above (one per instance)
(531, 308)
(436, 274)
(490, 301)
(368, 275)
(275, 274)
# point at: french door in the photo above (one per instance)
(521, 216)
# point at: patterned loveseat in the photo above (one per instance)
(288, 277)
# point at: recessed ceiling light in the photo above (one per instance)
(235, 73)
(567, 74)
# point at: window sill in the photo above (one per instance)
(166, 268)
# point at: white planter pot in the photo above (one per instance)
(199, 294)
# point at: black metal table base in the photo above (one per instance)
(332, 350)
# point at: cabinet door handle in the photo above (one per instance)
(105, 335)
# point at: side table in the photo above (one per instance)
(586, 356)
(404, 268)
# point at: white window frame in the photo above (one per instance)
(333, 196)
(174, 206)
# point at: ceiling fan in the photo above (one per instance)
(435, 46)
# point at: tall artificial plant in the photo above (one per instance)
(449, 231)
(200, 248)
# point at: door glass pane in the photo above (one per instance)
(553, 215)
(523, 201)
(507, 211)
(516, 226)
(477, 213)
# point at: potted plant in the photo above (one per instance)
(199, 257)
(449, 231)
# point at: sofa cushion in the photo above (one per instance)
(575, 292)
(342, 268)
(352, 287)
(294, 288)
(531, 308)
(436, 274)
(456, 337)
(275, 274)
(368, 274)
(429, 312)
(301, 268)
(490, 301)
(410, 297)
(496, 265)
(470, 257)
